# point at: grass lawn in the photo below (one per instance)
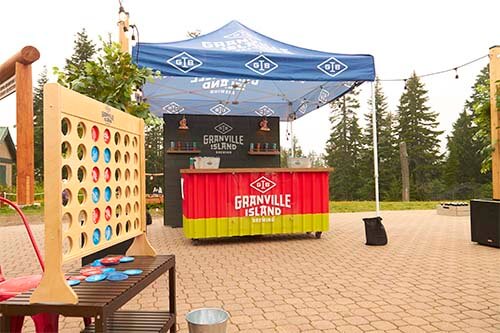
(367, 206)
(28, 210)
(335, 206)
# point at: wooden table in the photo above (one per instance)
(100, 300)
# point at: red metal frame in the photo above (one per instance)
(28, 229)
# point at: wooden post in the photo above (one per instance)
(26, 56)
(495, 118)
(122, 29)
(405, 172)
(19, 65)
(25, 146)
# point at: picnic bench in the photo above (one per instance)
(101, 300)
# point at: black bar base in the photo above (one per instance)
(375, 231)
(485, 222)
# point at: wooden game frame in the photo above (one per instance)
(70, 205)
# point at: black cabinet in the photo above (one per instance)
(229, 137)
(485, 221)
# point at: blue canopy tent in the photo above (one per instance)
(237, 71)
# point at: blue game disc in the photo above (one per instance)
(133, 271)
(96, 236)
(96, 263)
(107, 193)
(73, 282)
(94, 154)
(108, 232)
(117, 276)
(127, 259)
(96, 278)
(108, 270)
(107, 155)
(95, 194)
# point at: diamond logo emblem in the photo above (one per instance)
(303, 107)
(223, 128)
(263, 184)
(239, 34)
(220, 109)
(332, 67)
(261, 65)
(264, 111)
(184, 62)
(173, 108)
(323, 96)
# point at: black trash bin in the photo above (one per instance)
(375, 231)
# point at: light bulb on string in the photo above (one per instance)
(456, 73)
(406, 86)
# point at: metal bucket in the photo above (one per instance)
(207, 320)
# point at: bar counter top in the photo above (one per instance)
(246, 170)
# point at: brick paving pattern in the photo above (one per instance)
(429, 278)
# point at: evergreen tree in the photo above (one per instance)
(417, 127)
(154, 156)
(462, 169)
(38, 125)
(343, 148)
(83, 51)
(388, 155)
(479, 104)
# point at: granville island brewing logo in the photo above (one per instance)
(262, 207)
(223, 143)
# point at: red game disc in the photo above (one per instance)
(96, 215)
(88, 271)
(107, 213)
(106, 136)
(95, 133)
(110, 261)
(95, 174)
(107, 174)
(78, 277)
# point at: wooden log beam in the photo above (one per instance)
(26, 56)
(495, 118)
(25, 145)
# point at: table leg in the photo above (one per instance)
(4, 323)
(12, 324)
(100, 323)
(171, 297)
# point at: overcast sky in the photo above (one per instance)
(403, 36)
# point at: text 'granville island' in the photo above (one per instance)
(223, 142)
(262, 205)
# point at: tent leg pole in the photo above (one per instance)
(375, 150)
(291, 119)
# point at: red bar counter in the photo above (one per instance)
(238, 202)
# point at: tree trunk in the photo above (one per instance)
(405, 172)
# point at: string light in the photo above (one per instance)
(440, 72)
